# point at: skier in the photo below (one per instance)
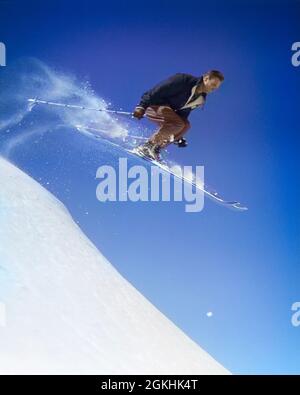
(169, 103)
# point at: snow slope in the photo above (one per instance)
(65, 309)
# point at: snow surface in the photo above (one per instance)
(65, 309)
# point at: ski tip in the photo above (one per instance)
(238, 206)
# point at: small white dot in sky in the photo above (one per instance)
(209, 314)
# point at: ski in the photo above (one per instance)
(215, 196)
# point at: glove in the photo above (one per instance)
(139, 112)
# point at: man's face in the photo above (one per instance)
(211, 83)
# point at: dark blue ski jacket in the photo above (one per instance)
(174, 92)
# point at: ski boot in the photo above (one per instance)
(182, 143)
(149, 150)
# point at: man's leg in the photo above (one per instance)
(171, 125)
(184, 130)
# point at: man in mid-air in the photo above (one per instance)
(169, 104)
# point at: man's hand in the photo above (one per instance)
(139, 112)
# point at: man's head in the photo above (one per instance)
(212, 80)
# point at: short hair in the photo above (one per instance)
(215, 74)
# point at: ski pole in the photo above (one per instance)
(33, 102)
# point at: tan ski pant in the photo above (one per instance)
(171, 125)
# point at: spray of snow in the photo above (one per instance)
(31, 78)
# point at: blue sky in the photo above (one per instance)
(244, 267)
